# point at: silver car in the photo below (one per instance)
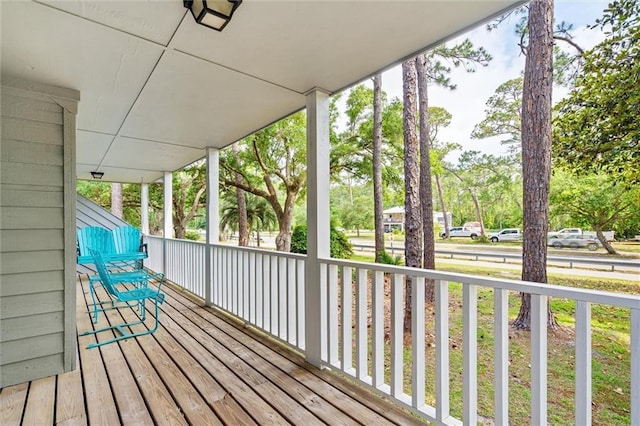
(573, 241)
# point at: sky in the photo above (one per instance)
(467, 102)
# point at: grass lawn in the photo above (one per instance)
(610, 345)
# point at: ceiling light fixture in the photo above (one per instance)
(97, 175)
(214, 14)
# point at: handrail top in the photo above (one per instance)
(584, 295)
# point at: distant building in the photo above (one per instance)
(393, 218)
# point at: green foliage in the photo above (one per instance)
(388, 259)
(464, 54)
(299, 239)
(352, 150)
(341, 247)
(260, 214)
(597, 127)
(482, 239)
(192, 235)
(100, 193)
(596, 201)
(271, 164)
(502, 116)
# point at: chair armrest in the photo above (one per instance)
(156, 275)
(143, 248)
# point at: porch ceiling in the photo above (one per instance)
(157, 88)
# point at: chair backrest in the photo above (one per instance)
(96, 238)
(105, 277)
(126, 239)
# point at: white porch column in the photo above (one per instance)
(317, 224)
(167, 230)
(144, 208)
(213, 201)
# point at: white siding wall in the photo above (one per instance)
(37, 232)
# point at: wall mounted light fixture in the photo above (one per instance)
(214, 14)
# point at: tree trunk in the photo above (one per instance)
(426, 190)
(443, 207)
(285, 219)
(413, 219)
(536, 151)
(243, 227)
(476, 205)
(116, 200)
(377, 166)
(608, 247)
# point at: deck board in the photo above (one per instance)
(199, 367)
(70, 409)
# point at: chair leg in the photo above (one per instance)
(120, 328)
(96, 307)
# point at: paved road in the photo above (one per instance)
(577, 270)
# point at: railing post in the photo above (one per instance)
(583, 363)
(213, 183)
(501, 356)
(538, 359)
(635, 366)
(144, 208)
(317, 224)
(442, 350)
(470, 354)
(167, 229)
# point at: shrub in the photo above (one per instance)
(341, 247)
(482, 239)
(299, 239)
(388, 259)
(192, 235)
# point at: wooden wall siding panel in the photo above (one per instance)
(34, 282)
(27, 188)
(70, 341)
(29, 218)
(31, 198)
(30, 304)
(31, 109)
(91, 214)
(25, 327)
(37, 255)
(35, 261)
(31, 369)
(30, 174)
(31, 348)
(37, 239)
(31, 153)
(20, 129)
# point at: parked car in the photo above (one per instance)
(462, 231)
(564, 232)
(573, 241)
(508, 234)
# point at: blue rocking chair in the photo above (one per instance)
(120, 248)
(138, 295)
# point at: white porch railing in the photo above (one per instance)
(263, 288)
(364, 330)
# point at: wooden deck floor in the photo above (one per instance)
(198, 368)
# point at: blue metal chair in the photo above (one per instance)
(121, 250)
(127, 240)
(140, 294)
